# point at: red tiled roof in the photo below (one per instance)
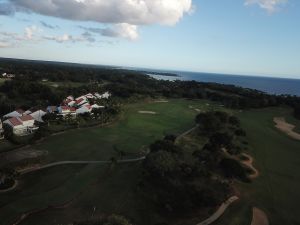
(68, 101)
(79, 100)
(72, 109)
(15, 122)
(88, 106)
(65, 107)
(26, 118)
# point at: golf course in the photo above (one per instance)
(65, 193)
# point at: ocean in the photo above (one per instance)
(269, 85)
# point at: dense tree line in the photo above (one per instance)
(126, 84)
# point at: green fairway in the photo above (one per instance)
(277, 158)
(115, 192)
(130, 134)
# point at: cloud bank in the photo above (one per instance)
(124, 15)
(135, 12)
(270, 6)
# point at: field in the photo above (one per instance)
(110, 190)
(106, 189)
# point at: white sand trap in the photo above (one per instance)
(197, 110)
(161, 101)
(285, 127)
(147, 112)
(249, 163)
(259, 217)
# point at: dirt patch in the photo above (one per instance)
(259, 217)
(286, 127)
(147, 112)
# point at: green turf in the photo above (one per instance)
(277, 158)
(130, 134)
(116, 194)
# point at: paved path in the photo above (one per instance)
(186, 132)
(259, 217)
(219, 212)
(29, 170)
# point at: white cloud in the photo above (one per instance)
(136, 12)
(270, 6)
(124, 16)
(30, 31)
(123, 30)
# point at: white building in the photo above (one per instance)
(105, 95)
(16, 113)
(96, 106)
(66, 110)
(23, 125)
(38, 115)
(84, 109)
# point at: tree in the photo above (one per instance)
(222, 140)
(161, 163)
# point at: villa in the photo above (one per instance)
(66, 110)
(38, 115)
(16, 113)
(21, 125)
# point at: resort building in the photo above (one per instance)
(66, 110)
(21, 126)
(16, 113)
(38, 115)
(52, 109)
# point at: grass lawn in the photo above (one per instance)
(130, 134)
(277, 157)
(6, 145)
(110, 191)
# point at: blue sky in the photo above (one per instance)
(230, 36)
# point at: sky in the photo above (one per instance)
(250, 37)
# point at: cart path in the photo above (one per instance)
(220, 211)
(29, 170)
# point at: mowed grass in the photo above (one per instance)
(133, 132)
(277, 157)
(113, 192)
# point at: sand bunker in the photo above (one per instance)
(249, 163)
(147, 112)
(259, 217)
(197, 110)
(161, 101)
(285, 127)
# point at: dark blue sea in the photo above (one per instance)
(270, 85)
